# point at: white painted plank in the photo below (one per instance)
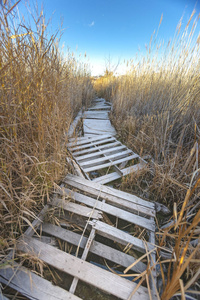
(83, 270)
(112, 210)
(110, 143)
(106, 151)
(118, 201)
(111, 191)
(120, 236)
(31, 285)
(97, 248)
(110, 164)
(106, 157)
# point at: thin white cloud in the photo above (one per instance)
(91, 24)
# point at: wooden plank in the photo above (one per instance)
(83, 257)
(98, 126)
(90, 144)
(90, 134)
(83, 270)
(77, 209)
(99, 132)
(83, 141)
(2, 297)
(96, 148)
(117, 200)
(36, 223)
(106, 158)
(112, 210)
(92, 113)
(110, 191)
(78, 138)
(31, 285)
(73, 125)
(106, 151)
(153, 279)
(120, 236)
(100, 107)
(116, 162)
(97, 248)
(114, 176)
(107, 178)
(96, 115)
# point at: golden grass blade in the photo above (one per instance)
(139, 259)
(13, 7)
(19, 35)
(182, 289)
(192, 280)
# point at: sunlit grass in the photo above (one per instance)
(40, 93)
(156, 111)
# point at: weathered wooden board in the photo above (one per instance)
(100, 152)
(39, 219)
(98, 127)
(114, 175)
(31, 285)
(111, 191)
(97, 248)
(82, 141)
(73, 125)
(83, 270)
(96, 115)
(112, 210)
(83, 257)
(77, 209)
(100, 107)
(94, 148)
(110, 164)
(120, 236)
(2, 297)
(114, 156)
(110, 196)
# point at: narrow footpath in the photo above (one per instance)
(88, 229)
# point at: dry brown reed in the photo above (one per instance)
(40, 93)
(156, 112)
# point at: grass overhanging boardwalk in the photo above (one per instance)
(87, 223)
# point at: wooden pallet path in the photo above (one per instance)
(103, 158)
(96, 120)
(87, 222)
(96, 200)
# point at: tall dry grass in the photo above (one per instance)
(156, 111)
(40, 93)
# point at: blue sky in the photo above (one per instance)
(115, 28)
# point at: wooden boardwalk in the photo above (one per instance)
(87, 222)
(96, 119)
